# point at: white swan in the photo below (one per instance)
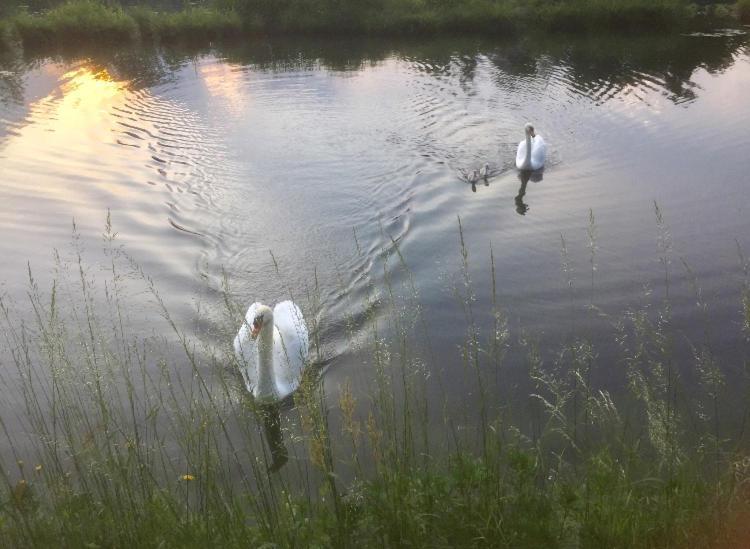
(532, 151)
(271, 347)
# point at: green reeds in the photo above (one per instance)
(122, 438)
(79, 21)
(74, 22)
(199, 24)
(93, 21)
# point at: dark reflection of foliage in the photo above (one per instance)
(601, 66)
(141, 67)
(596, 66)
(11, 79)
(338, 54)
(468, 64)
(516, 59)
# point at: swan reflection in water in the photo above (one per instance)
(474, 185)
(525, 176)
(271, 417)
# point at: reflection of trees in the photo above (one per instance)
(11, 80)
(601, 66)
(12, 91)
(596, 66)
(339, 54)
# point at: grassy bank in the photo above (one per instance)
(120, 439)
(96, 21)
(82, 21)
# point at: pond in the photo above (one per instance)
(296, 165)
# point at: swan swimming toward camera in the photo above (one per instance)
(531, 151)
(271, 347)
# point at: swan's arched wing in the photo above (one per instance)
(521, 155)
(538, 152)
(290, 346)
(246, 349)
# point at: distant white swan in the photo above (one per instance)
(271, 347)
(531, 151)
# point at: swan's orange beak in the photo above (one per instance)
(255, 330)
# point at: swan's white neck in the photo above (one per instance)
(266, 389)
(527, 160)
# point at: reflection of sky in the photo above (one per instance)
(729, 89)
(61, 162)
(63, 120)
(87, 92)
(293, 118)
(223, 82)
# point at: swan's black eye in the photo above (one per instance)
(258, 321)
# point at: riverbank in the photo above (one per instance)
(92, 21)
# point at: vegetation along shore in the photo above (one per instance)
(109, 21)
(129, 441)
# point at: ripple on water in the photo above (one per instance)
(228, 159)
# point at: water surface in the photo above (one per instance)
(313, 160)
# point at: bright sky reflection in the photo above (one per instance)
(66, 141)
(86, 94)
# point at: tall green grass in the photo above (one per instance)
(194, 24)
(121, 438)
(493, 16)
(80, 20)
(93, 21)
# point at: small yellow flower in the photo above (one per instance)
(38, 468)
(187, 477)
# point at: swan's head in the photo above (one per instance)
(263, 317)
(529, 129)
